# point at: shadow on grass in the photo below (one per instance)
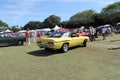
(114, 40)
(45, 53)
(116, 48)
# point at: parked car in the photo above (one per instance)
(7, 39)
(83, 34)
(107, 26)
(118, 28)
(62, 41)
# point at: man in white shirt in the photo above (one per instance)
(104, 30)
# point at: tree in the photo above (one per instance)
(15, 28)
(51, 21)
(83, 18)
(64, 24)
(3, 24)
(99, 19)
(112, 13)
(34, 25)
(112, 8)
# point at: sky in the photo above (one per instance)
(20, 12)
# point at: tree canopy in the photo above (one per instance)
(85, 17)
(3, 24)
(112, 13)
(112, 8)
(34, 25)
(51, 21)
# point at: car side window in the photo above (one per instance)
(66, 35)
(74, 35)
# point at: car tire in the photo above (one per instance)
(20, 42)
(64, 48)
(85, 43)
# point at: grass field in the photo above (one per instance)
(100, 60)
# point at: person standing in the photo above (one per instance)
(92, 33)
(104, 32)
(33, 36)
(27, 35)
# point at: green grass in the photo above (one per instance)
(100, 60)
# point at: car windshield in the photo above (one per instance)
(56, 34)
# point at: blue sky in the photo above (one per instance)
(20, 12)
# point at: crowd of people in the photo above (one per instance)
(31, 36)
(94, 32)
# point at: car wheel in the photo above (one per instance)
(85, 43)
(20, 42)
(64, 48)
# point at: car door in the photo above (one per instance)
(2, 41)
(6, 40)
(74, 41)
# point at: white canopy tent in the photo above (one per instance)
(8, 30)
(56, 27)
(47, 29)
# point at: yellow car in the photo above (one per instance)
(62, 41)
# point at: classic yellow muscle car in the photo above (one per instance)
(62, 41)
